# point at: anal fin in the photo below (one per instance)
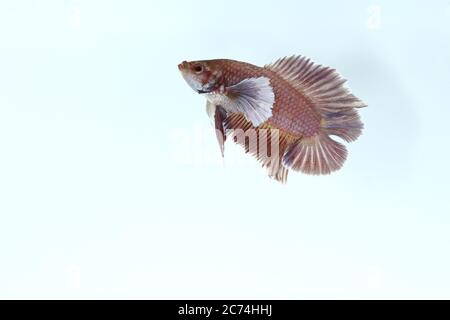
(268, 146)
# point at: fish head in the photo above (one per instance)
(201, 76)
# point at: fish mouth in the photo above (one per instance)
(183, 65)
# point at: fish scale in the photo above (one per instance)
(292, 111)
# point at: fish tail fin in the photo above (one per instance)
(344, 123)
(315, 155)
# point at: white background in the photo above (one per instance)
(112, 185)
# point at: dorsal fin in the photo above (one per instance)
(322, 84)
(325, 88)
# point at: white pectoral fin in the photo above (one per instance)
(254, 98)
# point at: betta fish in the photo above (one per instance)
(283, 113)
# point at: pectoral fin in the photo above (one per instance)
(254, 98)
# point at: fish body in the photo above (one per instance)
(294, 100)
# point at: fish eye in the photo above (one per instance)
(198, 68)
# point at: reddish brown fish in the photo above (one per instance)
(283, 113)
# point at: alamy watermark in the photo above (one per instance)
(198, 146)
